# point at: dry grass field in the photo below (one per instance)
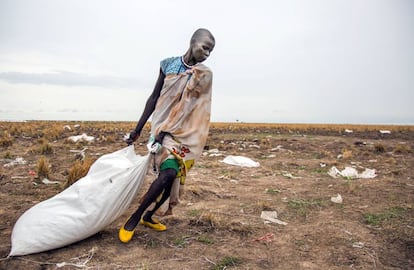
(218, 224)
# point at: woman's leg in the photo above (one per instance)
(165, 195)
(165, 179)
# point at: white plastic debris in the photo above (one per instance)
(358, 245)
(289, 175)
(254, 146)
(79, 154)
(348, 131)
(48, 182)
(337, 199)
(214, 153)
(350, 172)
(368, 173)
(17, 161)
(277, 148)
(240, 161)
(385, 132)
(82, 137)
(272, 217)
(67, 127)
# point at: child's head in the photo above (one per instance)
(201, 44)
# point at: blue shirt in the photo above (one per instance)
(173, 65)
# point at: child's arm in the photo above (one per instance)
(149, 109)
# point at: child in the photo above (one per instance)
(180, 107)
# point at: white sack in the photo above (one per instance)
(83, 209)
(240, 161)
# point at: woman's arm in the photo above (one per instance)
(149, 108)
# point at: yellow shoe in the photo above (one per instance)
(158, 226)
(124, 235)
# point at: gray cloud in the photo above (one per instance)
(67, 78)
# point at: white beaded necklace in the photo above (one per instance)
(185, 64)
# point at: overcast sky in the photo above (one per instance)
(292, 61)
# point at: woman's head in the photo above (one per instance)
(201, 44)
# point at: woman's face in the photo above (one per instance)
(202, 48)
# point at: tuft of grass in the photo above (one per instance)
(272, 191)
(43, 167)
(6, 140)
(46, 149)
(205, 240)
(402, 149)
(8, 155)
(264, 206)
(379, 148)
(227, 262)
(194, 213)
(346, 154)
(380, 218)
(180, 242)
(78, 170)
(303, 207)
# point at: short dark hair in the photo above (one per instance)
(201, 32)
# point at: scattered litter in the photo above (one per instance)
(17, 161)
(385, 132)
(32, 173)
(82, 137)
(350, 172)
(271, 216)
(67, 127)
(234, 181)
(79, 262)
(240, 161)
(19, 177)
(79, 154)
(337, 199)
(76, 126)
(254, 146)
(348, 131)
(289, 175)
(271, 156)
(323, 165)
(215, 155)
(48, 182)
(368, 173)
(358, 245)
(347, 232)
(268, 238)
(277, 148)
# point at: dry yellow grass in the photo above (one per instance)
(78, 170)
(43, 167)
(54, 129)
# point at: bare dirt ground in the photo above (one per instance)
(218, 224)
